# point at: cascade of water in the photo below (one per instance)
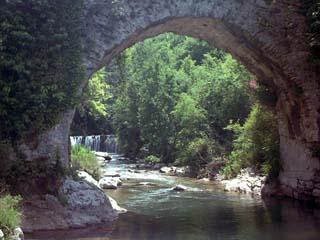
(76, 140)
(98, 143)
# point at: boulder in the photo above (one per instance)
(182, 171)
(165, 170)
(104, 155)
(79, 195)
(110, 183)
(179, 188)
(79, 204)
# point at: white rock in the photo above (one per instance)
(179, 188)
(103, 155)
(87, 177)
(110, 183)
(1, 235)
(245, 182)
(204, 180)
(100, 159)
(116, 207)
(18, 234)
(165, 170)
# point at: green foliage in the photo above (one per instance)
(10, 213)
(173, 90)
(151, 159)
(197, 153)
(256, 144)
(85, 160)
(40, 63)
(97, 95)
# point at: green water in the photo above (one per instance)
(202, 212)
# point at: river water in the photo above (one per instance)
(203, 212)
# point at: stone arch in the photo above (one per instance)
(268, 37)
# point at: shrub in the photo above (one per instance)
(256, 144)
(198, 152)
(85, 160)
(10, 214)
(151, 159)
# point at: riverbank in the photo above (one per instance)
(246, 182)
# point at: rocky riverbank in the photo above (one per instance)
(246, 182)
(79, 203)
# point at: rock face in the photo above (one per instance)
(80, 204)
(268, 37)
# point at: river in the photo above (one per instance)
(203, 212)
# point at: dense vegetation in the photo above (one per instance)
(175, 97)
(40, 62)
(172, 98)
(256, 144)
(85, 160)
(10, 214)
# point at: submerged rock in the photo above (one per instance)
(147, 184)
(179, 188)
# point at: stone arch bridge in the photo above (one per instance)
(267, 36)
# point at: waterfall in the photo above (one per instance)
(97, 143)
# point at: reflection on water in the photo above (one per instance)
(203, 212)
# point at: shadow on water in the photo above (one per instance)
(200, 213)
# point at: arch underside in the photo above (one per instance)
(213, 31)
